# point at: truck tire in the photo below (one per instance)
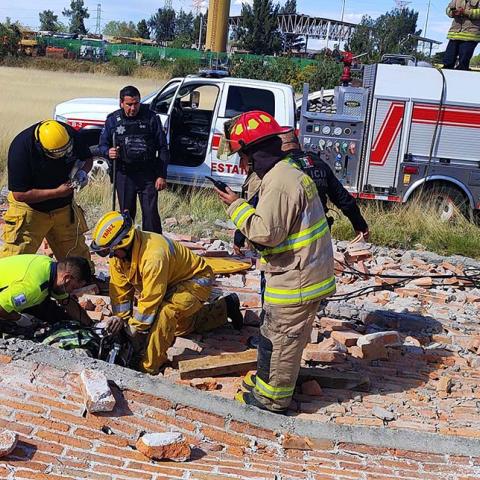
(447, 201)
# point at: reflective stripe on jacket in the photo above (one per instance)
(156, 264)
(290, 222)
(466, 27)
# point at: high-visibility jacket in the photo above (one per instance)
(466, 27)
(156, 264)
(290, 223)
(26, 281)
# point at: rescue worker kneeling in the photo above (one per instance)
(289, 228)
(31, 286)
(171, 284)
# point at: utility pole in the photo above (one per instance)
(98, 27)
(426, 20)
(343, 11)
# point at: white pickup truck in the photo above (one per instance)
(193, 111)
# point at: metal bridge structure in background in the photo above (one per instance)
(321, 28)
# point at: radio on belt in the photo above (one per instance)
(335, 131)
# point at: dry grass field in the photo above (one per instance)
(31, 95)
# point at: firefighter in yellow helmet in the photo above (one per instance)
(45, 163)
(289, 229)
(171, 285)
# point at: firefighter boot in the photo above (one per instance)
(233, 311)
(247, 398)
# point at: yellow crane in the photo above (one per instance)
(217, 25)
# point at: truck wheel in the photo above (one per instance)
(447, 202)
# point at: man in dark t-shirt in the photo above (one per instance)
(45, 161)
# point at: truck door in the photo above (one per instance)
(385, 146)
(162, 104)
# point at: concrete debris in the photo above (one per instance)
(165, 445)
(96, 393)
(8, 442)
(383, 414)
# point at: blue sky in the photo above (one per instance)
(27, 10)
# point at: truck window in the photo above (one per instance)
(244, 99)
(191, 123)
(162, 103)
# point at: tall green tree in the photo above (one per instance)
(184, 29)
(120, 29)
(259, 32)
(142, 29)
(49, 21)
(291, 42)
(162, 25)
(77, 15)
(392, 32)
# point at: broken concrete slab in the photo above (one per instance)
(97, 394)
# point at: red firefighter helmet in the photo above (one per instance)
(251, 127)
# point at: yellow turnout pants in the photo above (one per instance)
(182, 311)
(25, 229)
(284, 334)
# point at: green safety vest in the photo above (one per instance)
(26, 281)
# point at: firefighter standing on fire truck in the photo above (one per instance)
(464, 34)
(289, 225)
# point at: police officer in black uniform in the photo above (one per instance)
(133, 136)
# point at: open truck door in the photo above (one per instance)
(191, 114)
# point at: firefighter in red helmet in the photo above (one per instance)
(289, 228)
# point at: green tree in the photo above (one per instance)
(184, 30)
(10, 35)
(259, 32)
(162, 25)
(120, 29)
(392, 32)
(291, 42)
(142, 29)
(49, 21)
(77, 15)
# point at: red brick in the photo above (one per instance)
(64, 440)
(84, 474)
(206, 418)
(348, 338)
(22, 405)
(25, 474)
(5, 358)
(226, 438)
(247, 429)
(169, 420)
(147, 399)
(102, 437)
(91, 457)
(124, 453)
(14, 427)
(123, 472)
(27, 419)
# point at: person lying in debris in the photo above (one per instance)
(37, 287)
(171, 283)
